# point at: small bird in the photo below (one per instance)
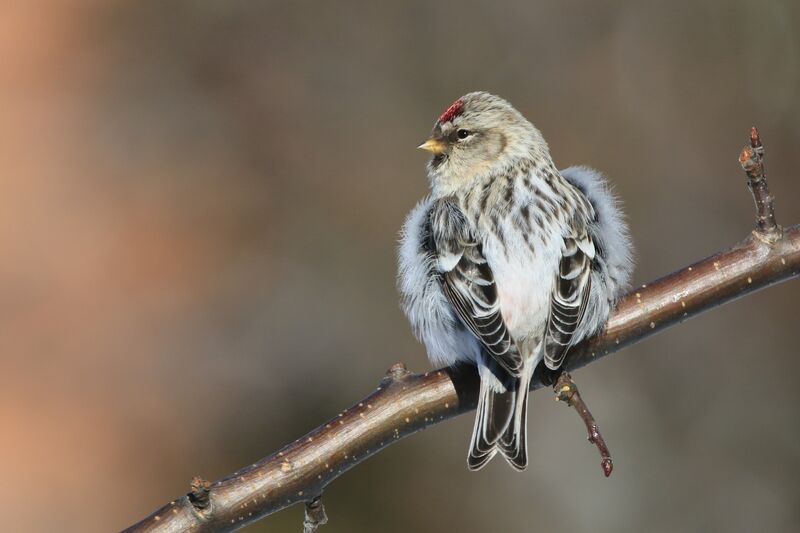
(508, 262)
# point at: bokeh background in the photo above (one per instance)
(199, 206)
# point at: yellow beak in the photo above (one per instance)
(433, 146)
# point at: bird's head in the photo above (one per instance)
(479, 133)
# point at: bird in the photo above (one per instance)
(508, 262)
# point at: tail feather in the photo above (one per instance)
(514, 442)
(494, 415)
(501, 422)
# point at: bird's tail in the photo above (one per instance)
(501, 420)
(514, 442)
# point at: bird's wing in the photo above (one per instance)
(569, 297)
(468, 283)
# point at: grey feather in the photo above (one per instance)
(609, 230)
(432, 317)
(469, 284)
(613, 261)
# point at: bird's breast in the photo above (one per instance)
(524, 270)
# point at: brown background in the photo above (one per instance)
(199, 205)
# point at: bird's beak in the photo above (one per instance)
(433, 146)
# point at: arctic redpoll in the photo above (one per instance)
(508, 262)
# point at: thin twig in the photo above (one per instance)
(315, 515)
(198, 496)
(405, 403)
(752, 160)
(567, 391)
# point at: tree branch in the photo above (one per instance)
(405, 403)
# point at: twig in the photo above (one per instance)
(752, 160)
(315, 515)
(405, 403)
(567, 391)
(198, 496)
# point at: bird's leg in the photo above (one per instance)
(567, 391)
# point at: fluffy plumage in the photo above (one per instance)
(508, 263)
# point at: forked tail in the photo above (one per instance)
(501, 419)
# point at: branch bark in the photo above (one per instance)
(405, 403)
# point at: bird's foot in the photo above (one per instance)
(567, 391)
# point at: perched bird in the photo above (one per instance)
(508, 262)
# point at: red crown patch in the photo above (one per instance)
(455, 109)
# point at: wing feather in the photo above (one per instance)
(569, 297)
(469, 284)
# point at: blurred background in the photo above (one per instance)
(199, 207)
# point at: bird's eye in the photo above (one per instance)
(462, 134)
